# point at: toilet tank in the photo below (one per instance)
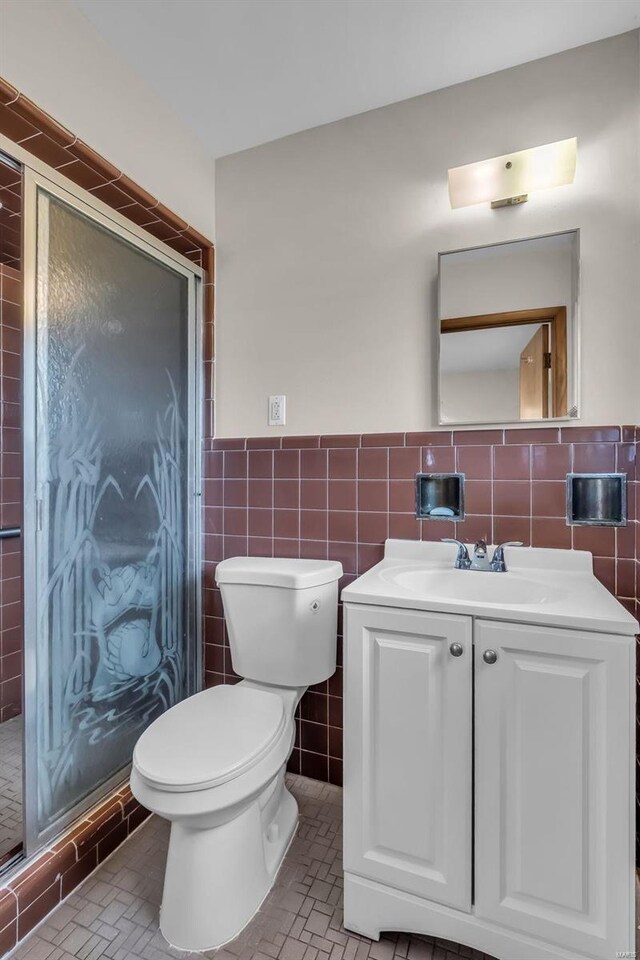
(282, 618)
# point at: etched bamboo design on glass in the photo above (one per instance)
(111, 468)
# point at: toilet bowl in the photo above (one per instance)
(214, 764)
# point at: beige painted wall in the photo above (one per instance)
(53, 55)
(328, 244)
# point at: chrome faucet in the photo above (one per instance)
(497, 561)
(480, 560)
(463, 560)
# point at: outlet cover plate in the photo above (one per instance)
(277, 411)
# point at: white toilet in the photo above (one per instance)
(214, 764)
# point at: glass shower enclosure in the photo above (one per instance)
(111, 498)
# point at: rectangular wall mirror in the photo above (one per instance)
(508, 331)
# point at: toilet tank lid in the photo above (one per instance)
(278, 572)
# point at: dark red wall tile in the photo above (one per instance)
(475, 437)
(286, 464)
(549, 532)
(404, 462)
(512, 498)
(533, 435)
(342, 525)
(382, 440)
(475, 462)
(589, 434)
(313, 524)
(604, 568)
(551, 462)
(260, 464)
(314, 464)
(342, 494)
(313, 494)
(343, 464)
(600, 541)
(512, 463)
(549, 498)
(373, 527)
(438, 460)
(260, 493)
(478, 497)
(299, 443)
(286, 493)
(430, 438)
(402, 497)
(512, 528)
(373, 464)
(340, 440)
(375, 495)
(594, 457)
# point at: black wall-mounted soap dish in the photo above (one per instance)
(597, 499)
(440, 496)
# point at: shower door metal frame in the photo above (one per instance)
(38, 179)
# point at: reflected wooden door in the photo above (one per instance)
(534, 377)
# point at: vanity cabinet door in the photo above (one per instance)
(408, 753)
(553, 800)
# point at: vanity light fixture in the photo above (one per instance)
(506, 181)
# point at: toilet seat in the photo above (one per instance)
(210, 738)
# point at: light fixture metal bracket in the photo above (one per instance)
(509, 201)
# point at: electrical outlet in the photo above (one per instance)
(277, 411)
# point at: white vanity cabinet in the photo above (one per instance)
(553, 725)
(488, 778)
(409, 740)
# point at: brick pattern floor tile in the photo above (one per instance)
(10, 784)
(113, 915)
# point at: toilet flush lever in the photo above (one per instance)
(314, 606)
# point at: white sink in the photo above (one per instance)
(473, 586)
(540, 586)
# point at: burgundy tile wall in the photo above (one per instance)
(10, 441)
(10, 217)
(10, 482)
(340, 497)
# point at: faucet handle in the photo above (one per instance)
(463, 560)
(497, 561)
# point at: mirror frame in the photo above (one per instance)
(566, 379)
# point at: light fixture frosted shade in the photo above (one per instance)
(514, 174)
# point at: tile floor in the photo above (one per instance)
(10, 785)
(114, 914)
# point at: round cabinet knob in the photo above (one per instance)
(456, 649)
(489, 656)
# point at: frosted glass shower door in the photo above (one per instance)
(112, 620)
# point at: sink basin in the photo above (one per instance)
(540, 586)
(473, 586)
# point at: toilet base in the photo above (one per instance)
(217, 878)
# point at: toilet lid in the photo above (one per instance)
(209, 738)
(278, 572)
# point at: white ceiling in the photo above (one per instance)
(243, 72)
